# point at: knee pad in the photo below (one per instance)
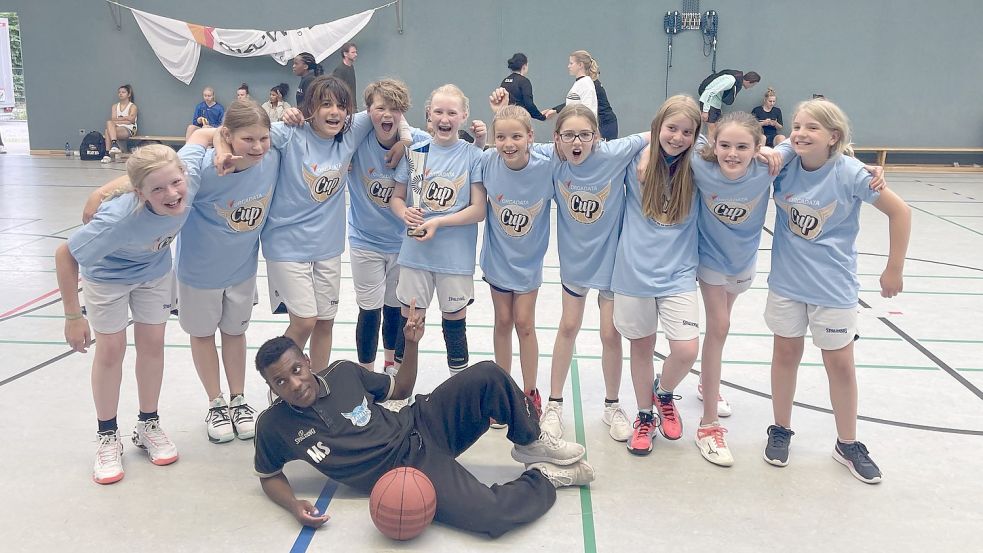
(456, 341)
(400, 341)
(367, 334)
(391, 326)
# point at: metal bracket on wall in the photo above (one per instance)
(399, 16)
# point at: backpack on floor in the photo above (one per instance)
(93, 146)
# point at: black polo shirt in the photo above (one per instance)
(344, 434)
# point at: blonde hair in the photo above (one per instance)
(389, 91)
(450, 90)
(770, 93)
(831, 118)
(513, 113)
(143, 161)
(741, 119)
(657, 183)
(584, 58)
(245, 113)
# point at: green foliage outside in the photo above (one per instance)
(20, 107)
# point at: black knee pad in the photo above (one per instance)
(456, 341)
(391, 326)
(400, 341)
(367, 334)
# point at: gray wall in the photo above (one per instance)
(908, 74)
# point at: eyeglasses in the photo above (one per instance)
(584, 136)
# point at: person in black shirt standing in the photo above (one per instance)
(607, 120)
(346, 69)
(305, 67)
(519, 87)
(332, 422)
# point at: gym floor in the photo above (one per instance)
(918, 366)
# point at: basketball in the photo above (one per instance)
(403, 503)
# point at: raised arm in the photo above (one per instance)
(405, 379)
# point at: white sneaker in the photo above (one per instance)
(3, 149)
(713, 446)
(620, 428)
(552, 420)
(115, 149)
(723, 408)
(109, 459)
(580, 473)
(106, 159)
(549, 449)
(149, 437)
(218, 423)
(242, 418)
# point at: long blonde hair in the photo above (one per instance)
(833, 119)
(666, 198)
(584, 58)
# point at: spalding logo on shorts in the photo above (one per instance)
(585, 207)
(245, 216)
(804, 220)
(322, 185)
(360, 415)
(516, 220)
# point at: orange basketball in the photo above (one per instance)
(402, 503)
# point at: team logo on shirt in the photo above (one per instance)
(440, 193)
(162, 243)
(585, 207)
(360, 415)
(322, 185)
(516, 220)
(805, 221)
(730, 212)
(245, 215)
(378, 189)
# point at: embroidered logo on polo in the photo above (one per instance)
(303, 435)
(730, 212)
(379, 189)
(440, 193)
(804, 220)
(585, 207)
(360, 415)
(322, 185)
(246, 215)
(515, 220)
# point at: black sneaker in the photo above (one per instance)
(776, 452)
(856, 458)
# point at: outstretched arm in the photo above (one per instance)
(278, 489)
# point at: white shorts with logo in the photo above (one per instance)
(639, 317)
(454, 292)
(375, 276)
(203, 310)
(832, 328)
(305, 289)
(106, 303)
(734, 284)
(581, 291)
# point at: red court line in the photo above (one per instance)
(35, 300)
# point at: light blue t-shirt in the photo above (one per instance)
(517, 221)
(445, 189)
(219, 244)
(655, 258)
(306, 221)
(814, 253)
(127, 243)
(372, 225)
(731, 214)
(590, 202)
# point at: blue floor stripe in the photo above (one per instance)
(303, 540)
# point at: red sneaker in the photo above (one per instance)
(640, 442)
(670, 426)
(537, 402)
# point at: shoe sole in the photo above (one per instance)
(774, 462)
(843, 461)
(718, 462)
(161, 462)
(639, 452)
(109, 480)
(221, 440)
(246, 435)
(529, 459)
(668, 437)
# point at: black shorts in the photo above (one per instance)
(713, 115)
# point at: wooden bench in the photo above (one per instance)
(882, 151)
(137, 139)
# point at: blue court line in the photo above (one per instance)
(303, 540)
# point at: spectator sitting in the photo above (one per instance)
(208, 113)
(122, 122)
(276, 105)
(242, 93)
(770, 117)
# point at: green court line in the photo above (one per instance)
(586, 504)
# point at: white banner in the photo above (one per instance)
(177, 44)
(6, 66)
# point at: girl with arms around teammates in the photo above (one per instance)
(125, 259)
(655, 270)
(813, 283)
(447, 204)
(519, 187)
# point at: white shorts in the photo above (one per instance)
(454, 292)
(639, 317)
(106, 303)
(305, 289)
(734, 284)
(581, 291)
(374, 275)
(228, 309)
(832, 328)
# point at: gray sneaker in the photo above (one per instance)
(856, 458)
(548, 449)
(776, 452)
(577, 474)
(552, 419)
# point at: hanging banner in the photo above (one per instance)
(6, 66)
(177, 44)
